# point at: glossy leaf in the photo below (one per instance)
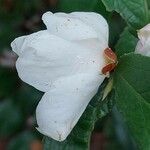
(126, 43)
(134, 12)
(132, 86)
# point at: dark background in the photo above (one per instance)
(19, 100)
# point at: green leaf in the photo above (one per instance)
(132, 87)
(123, 135)
(10, 119)
(115, 28)
(126, 43)
(80, 136)
(82, 5)
(134, 12)
(148, 2)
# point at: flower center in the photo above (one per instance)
(110, 60)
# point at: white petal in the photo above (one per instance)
(62, 106)
(93, 43)
(143, 46)
(17, 44)
(67, 26)
(65, 62)
(96, 21)
(47, 57)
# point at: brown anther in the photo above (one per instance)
(111, 61)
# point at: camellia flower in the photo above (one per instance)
(143, 46)
(65, 62)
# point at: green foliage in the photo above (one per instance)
(82, 5)
(27, 99)
(8, 80)
(115, 28)
(124, 136)
(134, 12)
(10, 118)
(12, 14)
(148, 2)
(132, 86)
(126, 43)
(132, 74)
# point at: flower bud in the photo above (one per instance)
(143, 45)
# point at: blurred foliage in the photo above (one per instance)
(18, 101)
(10, 118)
(25, 141)
(8, 80)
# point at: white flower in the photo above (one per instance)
(63, 61)
(143, 46)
